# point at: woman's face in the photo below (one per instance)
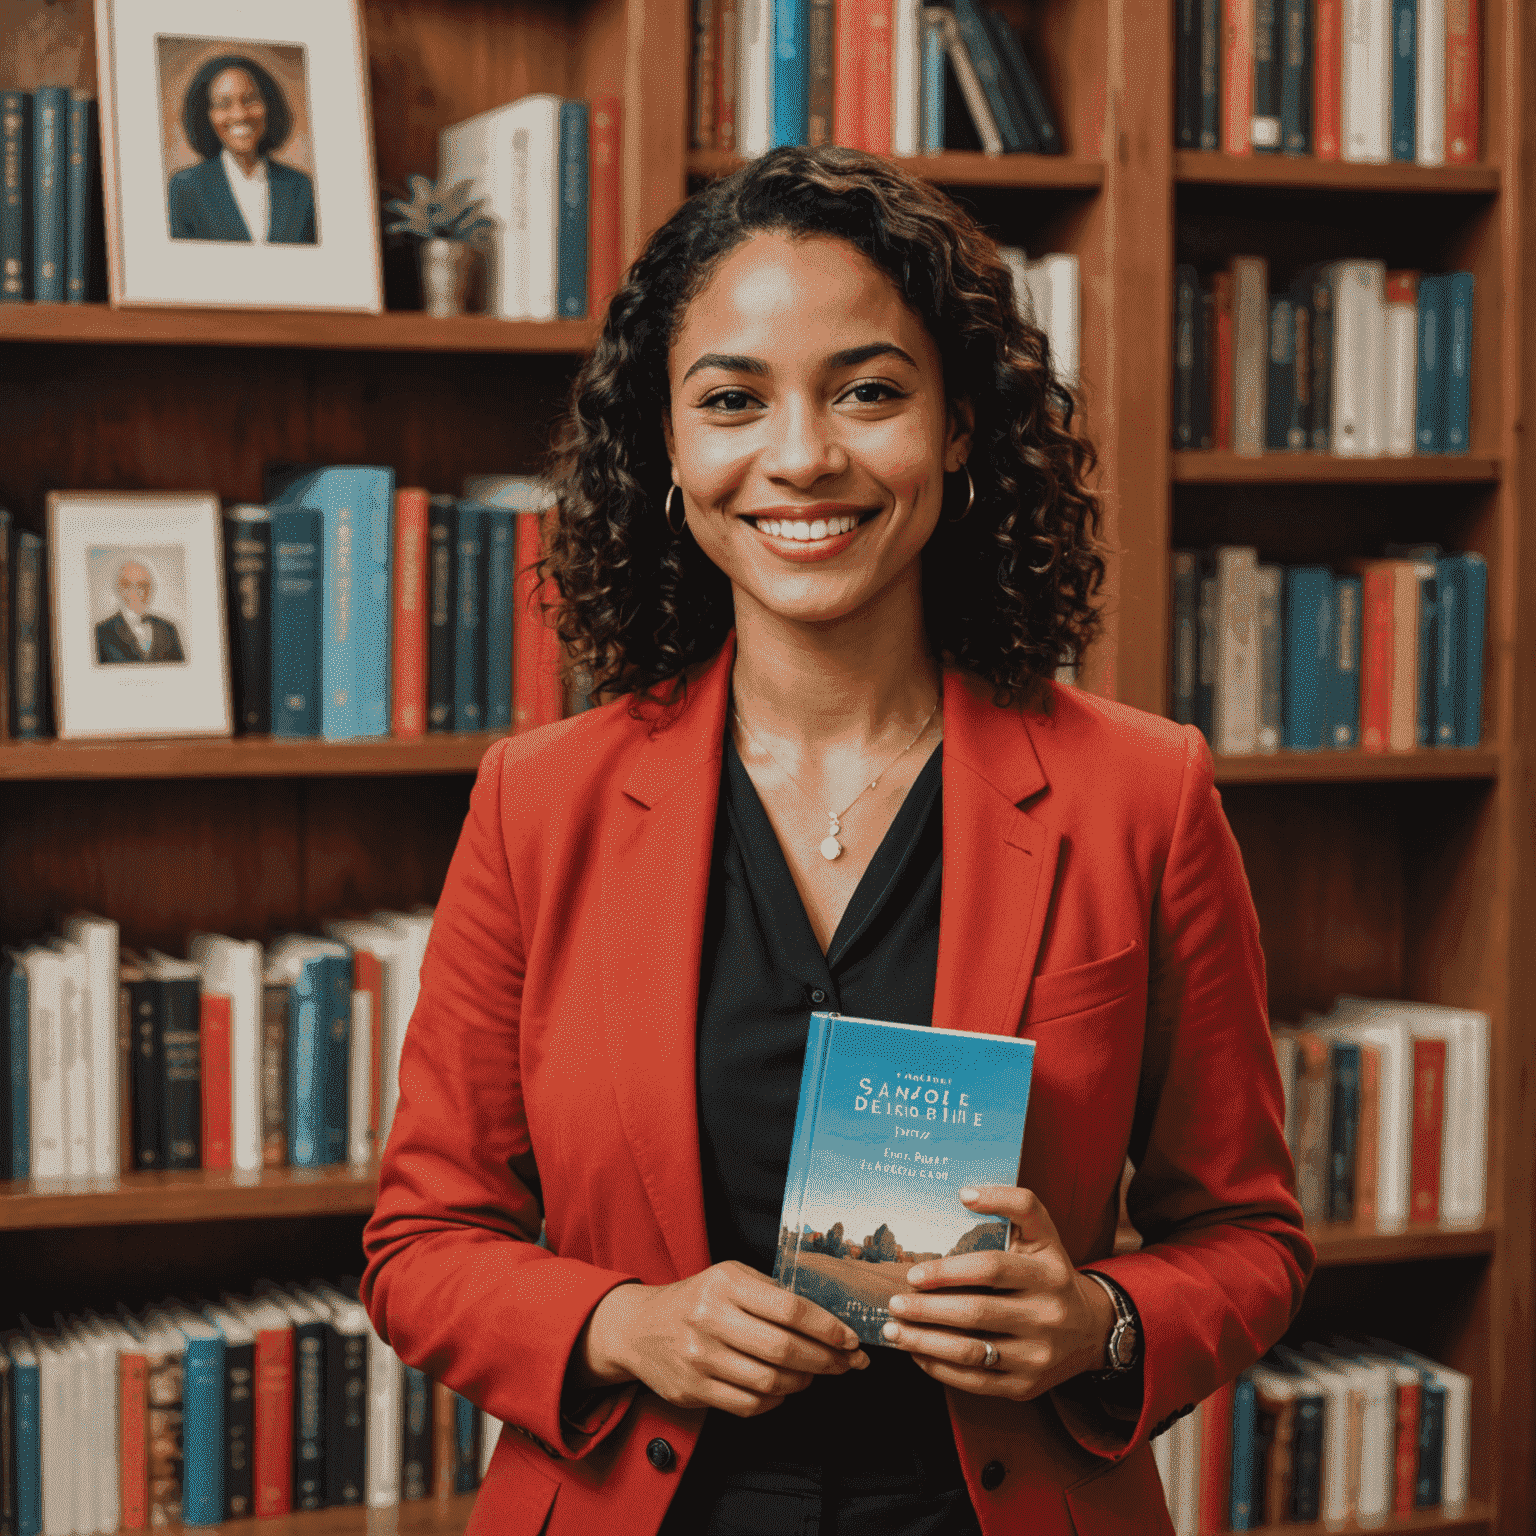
(808, 428)
(237, 112)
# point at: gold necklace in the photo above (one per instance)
(829, 846)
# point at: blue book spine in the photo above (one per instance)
(1458, 358)
(15, 197)
(1296, 77)
(306, 1066)
(469, 623)
(1242, 1453)
(1428, 658)
(571, 237)
(27, 1421)
(335, 992)
(496, 551)
(82, 200)
(791, 73)
(1344, 1126)
(978, 43)
(296, 621)
(202, 1432)
(1210, 74)
(1469, 667)
(343, 498)
(50, 183)
(1186, 97)
(18, 1102)
(1429, 403)
(309, 1447)
(1307, 637)
(1405, 78)
(1282, 376)
(933, 88)
(1028, 98)
(466, 1444)
(1449, 598)
(1428, 1485)
(1267, 82)
(1343, 732)
(1307, 1459)
(28, 678)
(375, 551)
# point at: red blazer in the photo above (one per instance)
(1093, 900)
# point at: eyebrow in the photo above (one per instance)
(849, 357)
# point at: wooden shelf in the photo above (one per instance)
(1339, 1244)
(395, 331)
(1207, 467)
(242, 757)
(143, 1199)
(1358, 767)
(1200, 167)
(957, 168)
(419, 1517)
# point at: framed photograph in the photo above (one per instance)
(139, 643)
(237, 154)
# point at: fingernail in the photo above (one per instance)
(917, 1276)
(969, 1195)
(898, 1303)
(889, 1331)
(850, 1339)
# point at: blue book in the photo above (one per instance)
(318, 975)
(415, 1435)
(1429, 653)
(1264, 128)
(28, 637)
(1038, 122)
(1296, 77)
(296, 621)
(977, 37)
(1447, 647)
(15, 1079)
(1344, 1126)
(373, 595)
(466, 1445)
(1210, 74)
(1282, 377)
(1470, 574)
(933, 88)
(82, 201)
(202, 1420)
(893, 1121)
(791, 72)
(1242, 1453)
(1405, 79)
(571, 237)
(50, 184)
(27, 1429)
(469, 621)
(1307, 636)
(1343, 728)
(496, 552)
(1458, 360)
(15, 197)
(1186, 93)
(1434, 326)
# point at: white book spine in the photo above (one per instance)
(490, 1433)
(1162, 1456)
(74, 1033)
(98, 938)
(1017, 262)
(1186, 1518)
(109, 1399)
(57, 1439)
(1359, 361)
(1377, 1428)
(907, 77)
(1402, 367)
(45, 1074)
(360, 1080)
(1366, 95)
(1062, 313)
(1375, 387)
(543, 204)
(1236, 702)
(514, 245)
(234, 969)
(1457, 1452)
(1430, 105)
(385, 1376)
(976, 102)
(1250, 352)
(754, 78)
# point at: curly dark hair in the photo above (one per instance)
(195, 106)
(638, 605)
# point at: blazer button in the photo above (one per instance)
(992, 1474)
(660, 1455)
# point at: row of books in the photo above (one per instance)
(1386, 659)
(196, 1414)
(1347, 1430)
(1362, 80)
(237, 1057)
(548, 170)
(1048, 293)
(1352, 359)
(1386, 1112)
(867, 74)
(50, 198)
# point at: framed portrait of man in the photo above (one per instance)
(237, 154)
(139, 639)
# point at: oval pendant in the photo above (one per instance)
(830, 848)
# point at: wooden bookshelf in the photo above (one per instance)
(1208, 467)
(1357, 767)
(957, 168)
(1298, 172)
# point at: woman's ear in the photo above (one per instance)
(957, 446)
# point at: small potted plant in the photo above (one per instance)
(452, 229)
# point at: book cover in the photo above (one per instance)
(346, 1393)
(606, 256)
(1240, 1512)
(408, 672)
(26, 1420)
(297, 618)
(1298, 411)
(216, 1081)
(444, 1448)
(1425, 1138)
(442, 613)
(15, 1100)
(75, 1058)
(239, 1410)
(1186, 582)
(202, 1407)
(1296, 76)
(1237, 77)
(1343, 1131)
(1327, 86)
(165, 1349)
(978, 107)
(877, 62)
(1038, 118)
(1343, 727)
(466, 1445)
(133, 1427)
(317, 974)
(571, 264)
(1210, 75)
(1433, 314)
(497, 551)
(1405, 79)
(415, 1435)
(1463, 65)
(1428, 648)
(1409, 1394)
(368, 977)
(1275, 1430)
(1235, 703)
(469, 620)
(1429, 115)
(893, 1121)
(1221, 361)
(309, 1447)
(1186, 298)
(977, 37)
(1281, 376)
(1264, 125)
(1366, 72)
(1205, 367)
(1458, 363)
(179, 1017)
(1311, 1151)
(1250, 352)
(1376, 655)
(821, 65)
(272, 1415)
(5, 617)
(15, 197)
(83, 204)
(1468, 576)
(727, 70)
(28, 703)
(1186, 64)
(538, 695)
(50, 191)
(906, 100)
(248, 576)
(274, 1074)
(1402, 323)
(1359, 357)
(754, 76)
(705, 40)
(1205, 649)
(1267, 583)
(382, 1461)
(1367, 1137)
(1308, 637)
(144, 1002)
(790, 73)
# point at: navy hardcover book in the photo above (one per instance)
(296, 621)
(894, 1120)
(50, 180)
(442, 615)
(15, 197)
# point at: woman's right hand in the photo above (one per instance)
(725, 1338)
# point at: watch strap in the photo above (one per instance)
(1127, 1322)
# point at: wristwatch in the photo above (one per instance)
(1123, 1352)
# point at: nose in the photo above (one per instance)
(803, 446)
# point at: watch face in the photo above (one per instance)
(1122, 1346)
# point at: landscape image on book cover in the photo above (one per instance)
(894, 1120)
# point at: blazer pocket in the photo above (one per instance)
(1058, 994)
(1126, 1496)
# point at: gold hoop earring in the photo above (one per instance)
(970, 500)
(666, 511)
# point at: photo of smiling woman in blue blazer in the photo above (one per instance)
(235, 115)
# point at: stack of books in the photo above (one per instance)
(51, 243)
(237, 1057)
(1370, 81)
(1386, 659)
(1351, 1430)
(196, 1414)
(1352, 359)
(866, 74)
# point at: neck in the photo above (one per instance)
(246, 162)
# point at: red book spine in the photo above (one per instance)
(273, 1466)
(1366, 1138)
(848, 74)
(727, 43)
(1428, 1126)
(1221, 362)
(214, 1026)
(876, 84)
(1406, 1464)
(133, 1443)
(1327, 80)
(1376, 644)
(1215, 1462)
(1462, 86)
(1237, 79)
(606, 268)
(408, 706)
(444, 1441)
(538, 692)
(368, 976)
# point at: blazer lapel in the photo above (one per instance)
(655, 884)
(999, 865)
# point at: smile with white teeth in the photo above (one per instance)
(804, 532)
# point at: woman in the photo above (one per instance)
(822, 508)
(235, 115)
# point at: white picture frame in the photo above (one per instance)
(287, 81)
(136, 603)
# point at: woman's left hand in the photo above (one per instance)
(1046, 1321)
